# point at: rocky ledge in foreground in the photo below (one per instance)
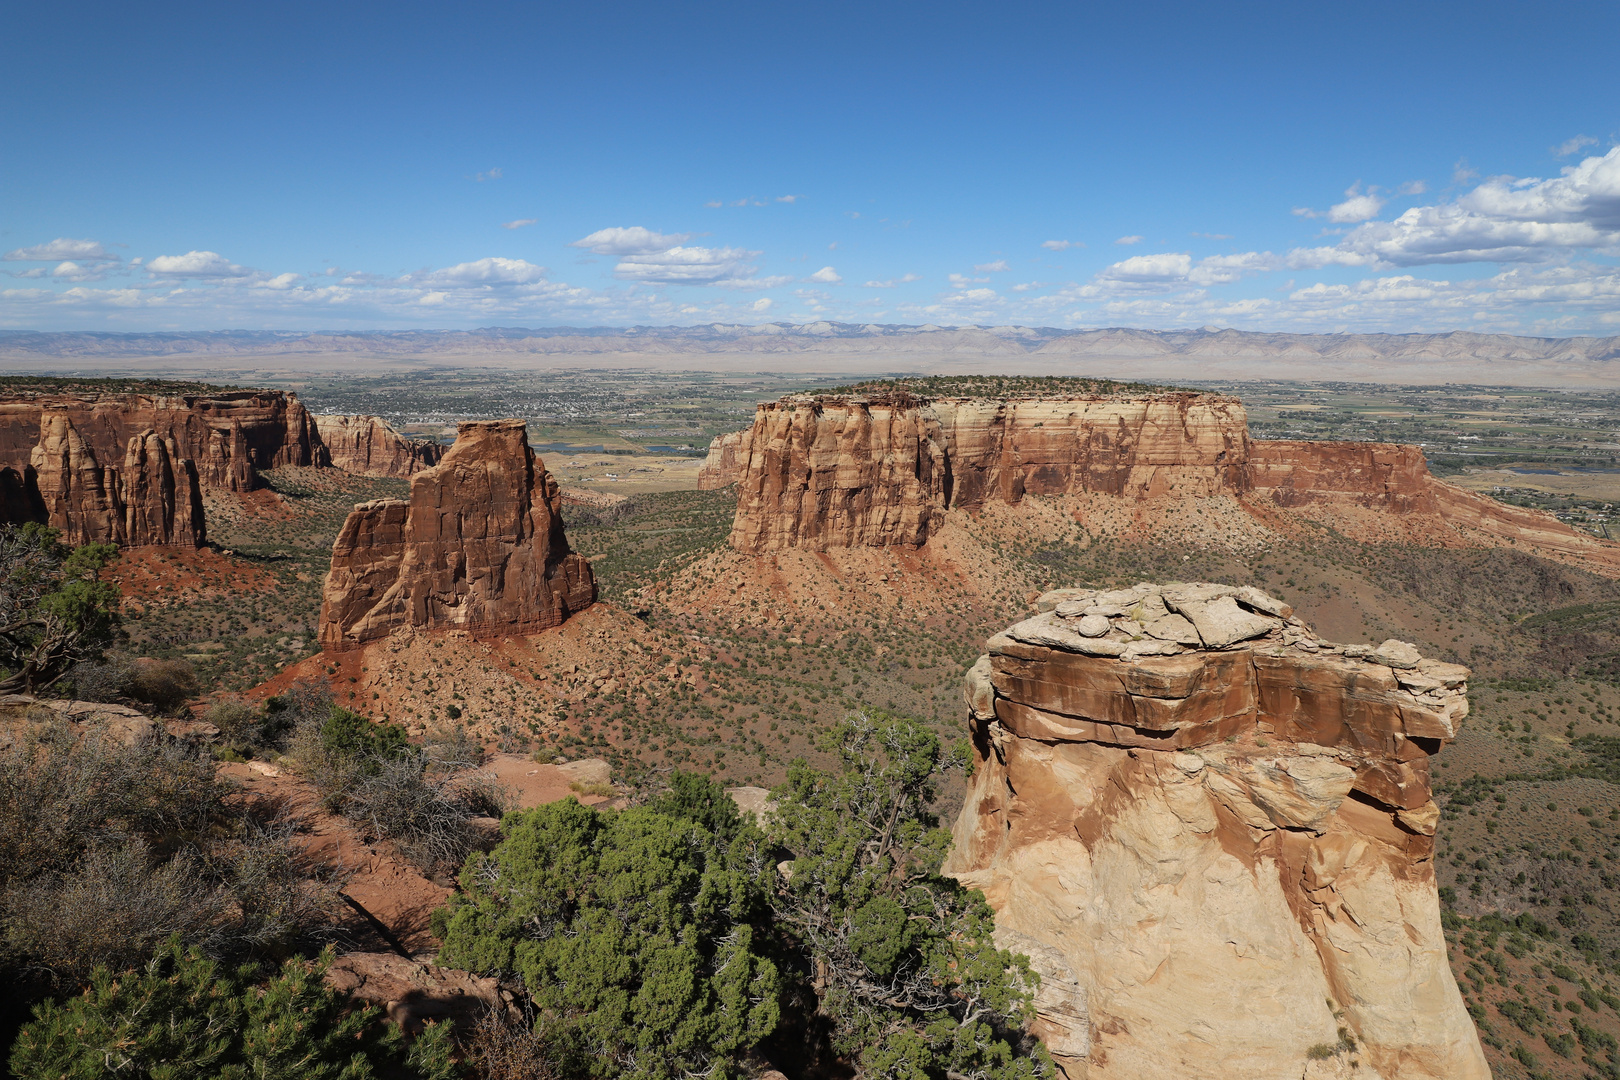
(1213, 834)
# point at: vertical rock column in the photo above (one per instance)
(478, 546)
(1213, 835)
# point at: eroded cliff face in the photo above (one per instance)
(478, 546)
(228, 435)
(824, 473)
(369, 446)
(834, 472)
(150, 497)
(1213, 834)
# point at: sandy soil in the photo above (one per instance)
(154, 576)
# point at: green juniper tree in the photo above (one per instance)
(54, 609)
(184, 1017)
(637, 932)
(901, 957)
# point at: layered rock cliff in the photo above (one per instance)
(151, 497)
(829, 472)
(478, 546)
(229, 435)
(1213, 834)
(368, 446)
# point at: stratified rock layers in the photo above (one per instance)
(1219, 858)
(479, 546)
(228, 435)
(153, 499)
(368, 446)
(829, 472)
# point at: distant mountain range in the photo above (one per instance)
(1210, 352)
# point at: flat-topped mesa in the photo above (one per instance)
(228, 434)
(154, 498)
(478, 546)
(1213, 834)
(832, 471)
(369, 446)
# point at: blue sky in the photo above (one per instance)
(1402, 167)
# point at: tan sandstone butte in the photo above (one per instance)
(1214, 836)
(478, 546)
(369, 446)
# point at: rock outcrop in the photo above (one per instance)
(368, 446)
(478, 546)
(154, 498)
(1213, 834)
(725, 464)
(829, 472)
(229, 435)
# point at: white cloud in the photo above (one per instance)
(1501, 220)
(1212, 235)
(1574, 145)
(1413, 187)
(1129, 240)
(72, 271)
(892, 282)
(826, 276)
(1168, 266)
(632, 241)
(519, 223)
(684, 266)
(1061, 245)
(206, 265)
(61, 248)
(762, 305)
(1357, 206)
(714, 204)
(991, 267)
(280, 281)
(960, 281)
(481, 272)
(492, 174)
(789, 198)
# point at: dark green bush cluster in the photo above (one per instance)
(184, 1015)
(663, 940)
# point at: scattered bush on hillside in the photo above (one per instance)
(54, 609)
(163, 684)
(422, 798)
(185, 1015)
(239, 723)
(639, 934)
(907, 969)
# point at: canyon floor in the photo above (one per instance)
(698, 657)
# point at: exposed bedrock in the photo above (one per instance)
(148, 495)
(228, 435)
(828, 472)
(478, 546)
(369, 446)
(1213, 834)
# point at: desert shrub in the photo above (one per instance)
(54, 609)
(504, 1047)
(106, 849)
(638, 935)
(239, 723)
(98, 680)
(114, 907)
(427, 814)
(62, 793)
(304, 706)
(163, 684)
(421, 798)
(183, 1015)
(907, 971)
